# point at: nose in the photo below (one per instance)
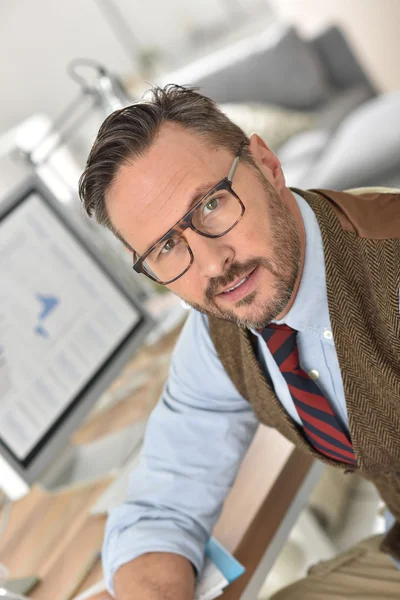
(212, 256)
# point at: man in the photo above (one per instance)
(296, 324)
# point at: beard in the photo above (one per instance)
(284, 267)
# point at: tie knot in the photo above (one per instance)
(279, 335)
(267, 331)
(280, 327)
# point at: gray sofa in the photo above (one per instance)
(355, 138)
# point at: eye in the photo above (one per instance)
(168, 246)
(211, 205)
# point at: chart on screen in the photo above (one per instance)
(57, 323)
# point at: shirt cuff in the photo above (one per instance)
(120, 547)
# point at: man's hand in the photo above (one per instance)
(155, 576)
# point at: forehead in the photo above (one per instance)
(151, 193)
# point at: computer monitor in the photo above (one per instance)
(69, 321)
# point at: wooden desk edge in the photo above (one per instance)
(268, 519)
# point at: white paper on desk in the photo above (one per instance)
(210, 585)
(211, 582)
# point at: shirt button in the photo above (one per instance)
(314, 374)
(328, 334)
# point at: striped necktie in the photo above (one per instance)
(321, 427)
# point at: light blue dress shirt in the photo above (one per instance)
(199, 432)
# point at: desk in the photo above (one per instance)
(52, 535)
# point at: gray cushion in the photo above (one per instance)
(340, 59)
(340, 105)
(277, 67)
(366, 145)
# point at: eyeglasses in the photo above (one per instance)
(214, 215)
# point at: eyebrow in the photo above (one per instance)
(199, 192)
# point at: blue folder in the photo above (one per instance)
(223, 560)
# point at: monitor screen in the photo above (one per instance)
(62, 318)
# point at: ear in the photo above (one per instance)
(267, 162)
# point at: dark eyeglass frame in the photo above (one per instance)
(186, 222)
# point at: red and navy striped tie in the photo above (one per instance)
(321, 427)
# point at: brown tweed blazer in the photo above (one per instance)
(361, 238)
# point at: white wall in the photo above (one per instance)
(166, 23)
(39, 37)
(372, 27)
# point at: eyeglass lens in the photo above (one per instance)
(217, 214)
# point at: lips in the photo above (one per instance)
(245, 288)
(233, 285)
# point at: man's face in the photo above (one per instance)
(151, 194)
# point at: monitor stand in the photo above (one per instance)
(91, 461)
